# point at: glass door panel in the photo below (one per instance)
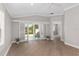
(30, 32)
(36, 31)
(26, 32)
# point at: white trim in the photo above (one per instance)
(56, 22)
(19, 41)
(8, 49)
(75, 46)
(13, 41)
(71, 7)
(62, 40)
(23, 40)
(31, 22)
(19, 29)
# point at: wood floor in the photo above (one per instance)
(42, 48)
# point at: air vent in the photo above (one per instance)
(51, 13)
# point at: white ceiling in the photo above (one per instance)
(40, 9)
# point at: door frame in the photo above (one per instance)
(28, 29)
(60, 24)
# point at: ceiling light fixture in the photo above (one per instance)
(51, 13)
(31, 4)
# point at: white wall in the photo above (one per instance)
(27, 20)
(2, 26)
(44, 30)
(42, 20)
(22, 31)
(33, 19)
(71, 26)
(6, 30)
(15, 30)
(18, 31)
(57, 19)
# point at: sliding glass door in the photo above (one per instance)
(36, 31)
(32, 31)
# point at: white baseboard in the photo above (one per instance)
(72, 45)
(8, 49)
(19, 41)
(62, 40)
(23, 40)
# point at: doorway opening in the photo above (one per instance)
(57, 30)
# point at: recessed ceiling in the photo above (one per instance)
(40, 9)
